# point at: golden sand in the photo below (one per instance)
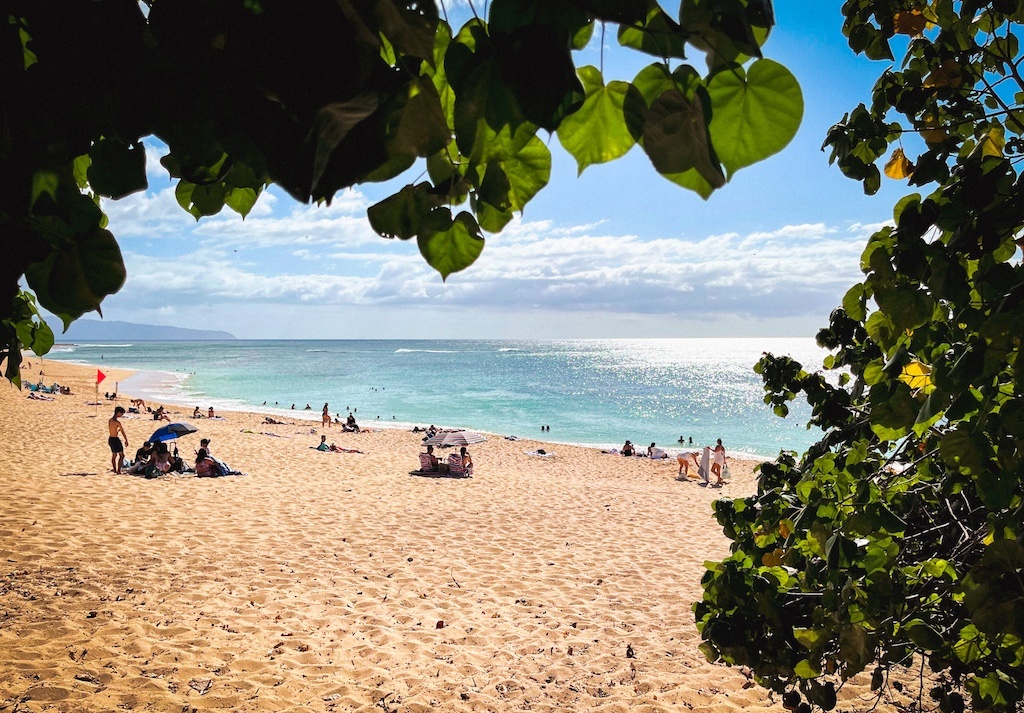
(341, 582)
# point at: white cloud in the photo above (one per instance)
(793, 271)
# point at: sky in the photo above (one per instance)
(618, 252)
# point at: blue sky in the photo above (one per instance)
(617, 252)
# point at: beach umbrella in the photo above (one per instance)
(171, 431)
(462, 438)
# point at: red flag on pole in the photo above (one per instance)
(100, 376)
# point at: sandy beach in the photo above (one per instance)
(341, 582)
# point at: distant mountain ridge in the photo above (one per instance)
(84, 330)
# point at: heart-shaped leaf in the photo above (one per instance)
(597, 132)
(754, 113)
(453, 249)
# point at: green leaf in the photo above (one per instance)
(965, 450)
(676, 138)
(597, 132)
(657, 35)
(806, 669)
(410, 212)
(453, 249)
(528, 171)
(117, 169)
(924, 635)
(854, 302)
(334, 121)
(241, 200)
(76, 277)
(754, 114)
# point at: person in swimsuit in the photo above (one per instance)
(326, 417)
(719, 462)
(116, 432)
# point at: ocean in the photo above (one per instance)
(596, 392)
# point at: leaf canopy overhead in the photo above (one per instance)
(322, 95)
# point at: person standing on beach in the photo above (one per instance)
(326, 419)
(719, 462)
(116, 431)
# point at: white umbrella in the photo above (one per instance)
(455, 438)
(462, 438)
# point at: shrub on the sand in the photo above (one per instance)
(898, 539)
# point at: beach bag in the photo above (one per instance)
(725, 472)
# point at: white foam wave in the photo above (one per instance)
(426, 351)
(102, 346)
(509, 349)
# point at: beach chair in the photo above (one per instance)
(455, 465)
(425, 464)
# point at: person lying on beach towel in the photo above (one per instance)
(540, 452)
(275, 422)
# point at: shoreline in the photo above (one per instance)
(158, 386)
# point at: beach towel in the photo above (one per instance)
(704, 469)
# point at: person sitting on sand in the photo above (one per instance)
(205, 466)
(323, 444)
(204, 444)
(196, 413)
(162, 459)
(160, 414)
(143, 459)
(467, 460)
(627, 449)
(435, 465)
(209, 413)
(350, 424)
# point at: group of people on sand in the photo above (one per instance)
(461, 464)
(156, 459)
(350, 425)
(653, 452)
(712, 463)
(718, 469)
(196, 413)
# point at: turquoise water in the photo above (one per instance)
(592, 392)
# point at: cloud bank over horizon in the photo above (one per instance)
(325, 267)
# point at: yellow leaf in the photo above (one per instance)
(784, 529)
(917, 375)
(772, 559)
(910, 22)
(898, 167)
(992, 142)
